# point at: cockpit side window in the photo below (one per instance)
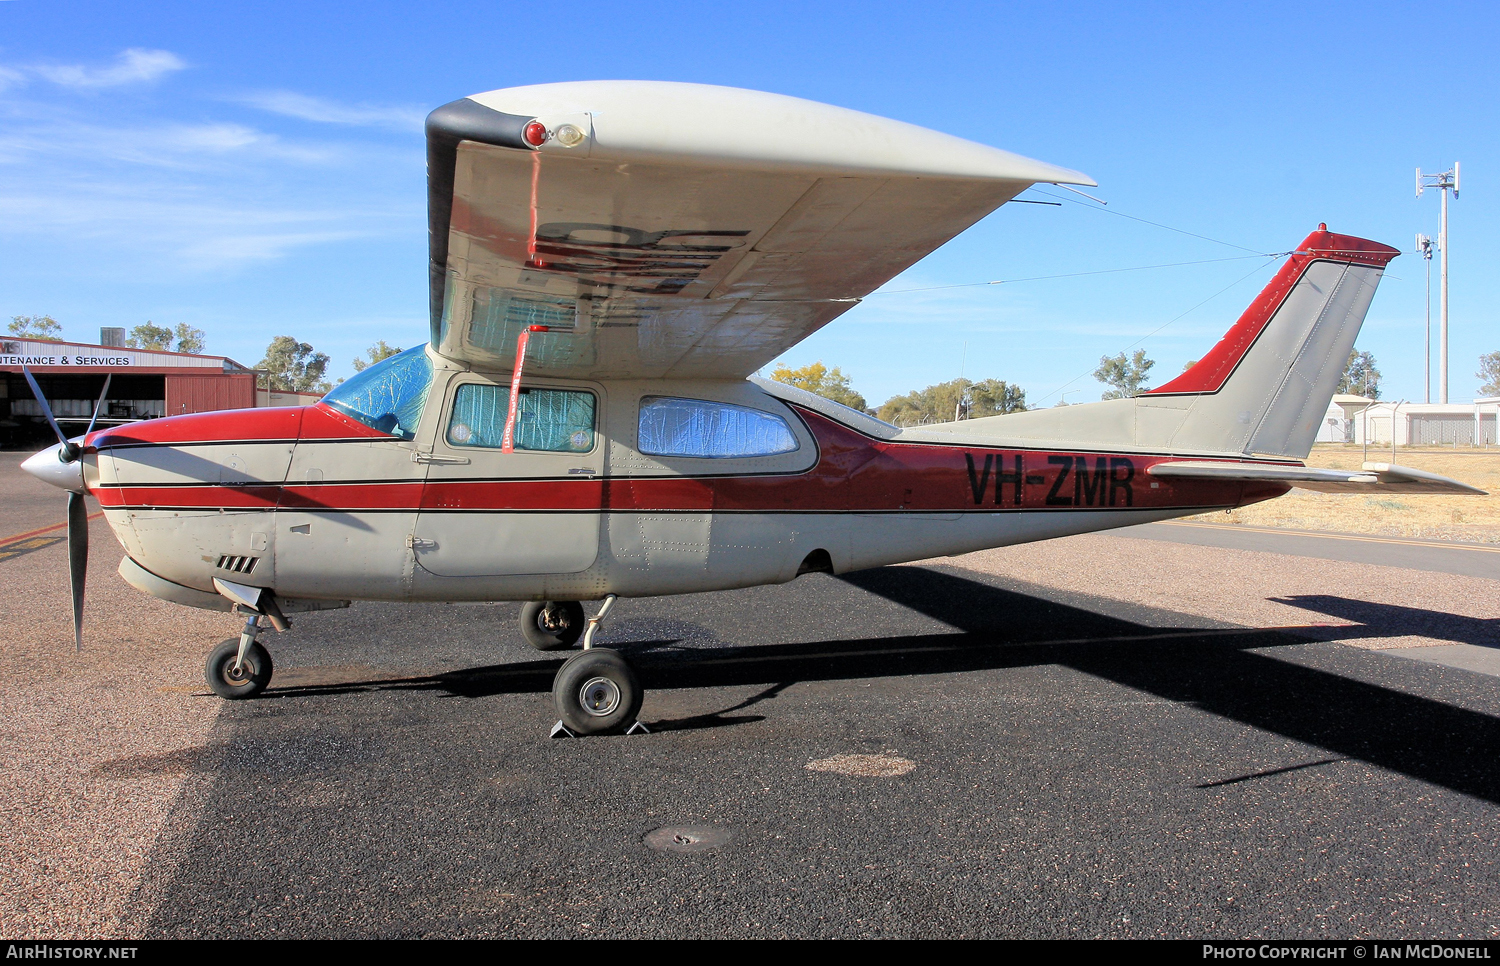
(388, 396)
(700, 428)
(547, 420)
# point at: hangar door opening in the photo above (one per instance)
(72, 398)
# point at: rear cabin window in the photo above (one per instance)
(547, 420)
(710, 430)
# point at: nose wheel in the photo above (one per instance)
(236, 677)
(241, 669)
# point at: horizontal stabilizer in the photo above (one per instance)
(1370, 478)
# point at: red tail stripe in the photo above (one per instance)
(1214, 369)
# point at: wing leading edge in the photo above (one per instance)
(681, 230)
(1369, 478)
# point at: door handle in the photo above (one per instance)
(435, 458)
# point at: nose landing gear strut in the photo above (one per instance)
(239, 669)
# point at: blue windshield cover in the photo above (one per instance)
(389, 395)
(712, 430)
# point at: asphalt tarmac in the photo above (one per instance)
(1103, 736)
(1079, 767)
(1437, 556)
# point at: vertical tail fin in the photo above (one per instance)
(1262, 390)
(1265, 386)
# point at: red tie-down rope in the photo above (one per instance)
(507, 441)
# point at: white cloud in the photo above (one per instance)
(133, 66)
(11, 78)
(323, 111)
(188, 146)
(163, 225)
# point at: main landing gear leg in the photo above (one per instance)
(596, 620)
(596, 691)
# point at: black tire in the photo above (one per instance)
(552, 625)
(250, 680)
(596, 693)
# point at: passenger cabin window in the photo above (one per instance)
(710, 430)
(388, 396)
(547, 420)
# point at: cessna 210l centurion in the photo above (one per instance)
(610, 264)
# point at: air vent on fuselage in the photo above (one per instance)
(238, 565)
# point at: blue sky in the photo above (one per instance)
(257, 170)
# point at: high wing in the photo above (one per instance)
(681, 230)
(1370, 478)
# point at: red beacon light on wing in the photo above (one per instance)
(535, 134)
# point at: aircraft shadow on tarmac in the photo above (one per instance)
(1392, 620)
(1219, 670)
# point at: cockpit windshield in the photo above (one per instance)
(389, 395)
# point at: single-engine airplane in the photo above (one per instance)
(610, 264)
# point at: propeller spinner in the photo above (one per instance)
(62, 466)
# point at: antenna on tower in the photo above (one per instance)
(1445, 182)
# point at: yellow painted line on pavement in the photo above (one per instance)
(1358, 538)
(7, 542)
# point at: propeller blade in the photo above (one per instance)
(100, 404)
(78, 558)
(46, 409)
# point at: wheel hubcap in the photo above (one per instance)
(238, 675)
(599, 696)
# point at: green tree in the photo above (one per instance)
(150, 336)
(940, 403)
(43, 328)
(375, 353)
(189, 339)
(818, 378)
(995, 397)
(293, 366)
(159, 337)
(1360, 377)
(1489, 371)
(1127, 376)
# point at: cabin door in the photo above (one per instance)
(535, 510)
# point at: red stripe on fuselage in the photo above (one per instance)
(854, 473)
(279, 424)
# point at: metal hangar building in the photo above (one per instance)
(144, 384)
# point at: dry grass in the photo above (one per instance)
(1474, 519)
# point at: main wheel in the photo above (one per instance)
(250, 679)
(596, 692)
(552, 625)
